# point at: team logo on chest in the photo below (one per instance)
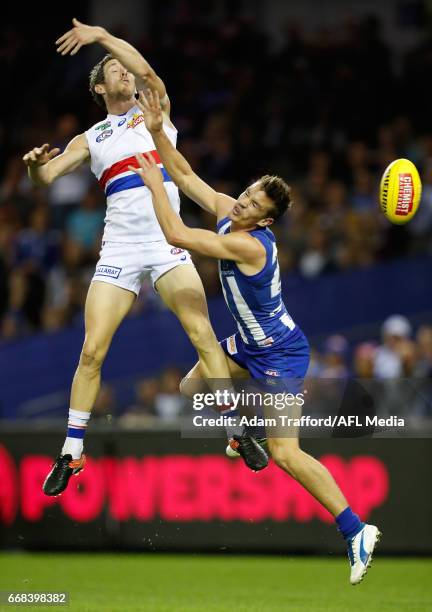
(103, 126)
(104, 135)
(137, 118)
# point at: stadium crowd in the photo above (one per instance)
(313, 111)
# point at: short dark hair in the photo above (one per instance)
(279, 191)
(97, 76)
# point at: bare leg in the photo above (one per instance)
(194, 381)
(182, 291)
(309, 472)
(106, 306)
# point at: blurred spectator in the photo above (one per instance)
(315, 260)
(84, 228)
(35, 252)
(364, 193)
(424, 343)
(168, 402)
(334, 358)
(146, 392)
(390, 356)
(105, 406)
(66, 192)
(67, 294)
(421, 226)
(142, 412)
(364, 360)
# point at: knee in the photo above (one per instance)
(201, 334)
(191, 385)
(185, 387)
(92, 355)
(289, 458)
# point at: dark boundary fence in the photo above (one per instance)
(157, 491)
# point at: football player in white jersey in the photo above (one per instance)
(133, 245)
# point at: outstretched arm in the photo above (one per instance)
(44, 166)
(239, 246)
(176, 165)
(82, 34)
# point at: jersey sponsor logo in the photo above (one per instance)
(232, 345)
(272, 373)
(111, 271)
(104, 135)
(122, 122)
(103, 126)
(137, 118)
(176, 251)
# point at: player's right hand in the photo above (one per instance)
(40, 155)
(151, 109)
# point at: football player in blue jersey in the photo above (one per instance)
(268, 343)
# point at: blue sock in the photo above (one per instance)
(349, 524)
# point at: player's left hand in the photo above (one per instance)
(150, 107)
(80, 35)
(148, 170)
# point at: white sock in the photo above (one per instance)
(77, 425)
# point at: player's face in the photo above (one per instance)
(119, 83)
(253, 207)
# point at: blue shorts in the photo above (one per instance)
(286, 360)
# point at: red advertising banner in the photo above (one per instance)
(122, 491)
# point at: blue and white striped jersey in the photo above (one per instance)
(256, 301)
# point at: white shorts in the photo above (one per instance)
(128, 264)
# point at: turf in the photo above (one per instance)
(200, 583)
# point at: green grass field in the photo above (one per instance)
(199, 583)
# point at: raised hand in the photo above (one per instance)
(80, 35)
(148, 170)
(151, 109)
(40, 155)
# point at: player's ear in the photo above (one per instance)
(99, 89)
(265, 222)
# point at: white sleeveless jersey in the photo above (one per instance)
(113, 144)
